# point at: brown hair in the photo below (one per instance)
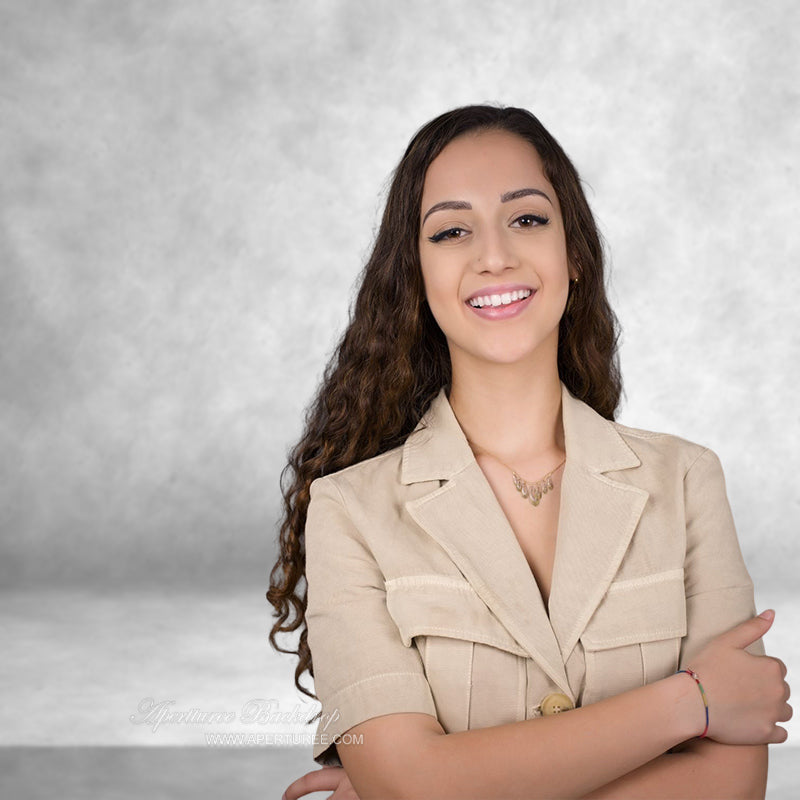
(393, 359)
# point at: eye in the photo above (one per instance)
(530, 220)
(450, 233)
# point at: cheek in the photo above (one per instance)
(438, 288)
(440, 311)
(558, 272)
(444, 311)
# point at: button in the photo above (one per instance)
(555, 704)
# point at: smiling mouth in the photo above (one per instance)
(496, 300)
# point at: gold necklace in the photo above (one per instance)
(530, 490)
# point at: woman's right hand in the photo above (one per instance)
(747, 695)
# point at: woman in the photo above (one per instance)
(483, 546)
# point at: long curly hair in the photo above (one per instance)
(393, 359)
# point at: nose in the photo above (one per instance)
(495, 253)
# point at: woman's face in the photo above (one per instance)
(492, 250)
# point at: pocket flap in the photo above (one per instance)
(644, 609)
(435, 605)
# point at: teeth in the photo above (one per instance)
(503, 299)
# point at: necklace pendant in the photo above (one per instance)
(534, 492)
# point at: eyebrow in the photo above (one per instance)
(517, 193)
(455, 205)
(462, 205)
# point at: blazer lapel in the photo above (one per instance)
(597, 519)
(466, 520)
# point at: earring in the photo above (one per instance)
(573, 287)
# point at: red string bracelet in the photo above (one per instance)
(696, 678)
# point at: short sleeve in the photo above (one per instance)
(719, 591)
(362, 669)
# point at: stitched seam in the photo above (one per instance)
(522, 700)
(421, 501)
(341, 498)
(636, 433)
(747, 586)
(589, 692)
(443, 581)
(689, 468)
(344, 471)
(646, 580)
(620, 640)
(599, 474)
(459, 633)
(468, 688)
(643, 663)
(375, 678)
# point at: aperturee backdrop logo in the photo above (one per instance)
(258, 712)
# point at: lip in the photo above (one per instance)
(501, 312)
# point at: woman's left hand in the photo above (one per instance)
(322, 780)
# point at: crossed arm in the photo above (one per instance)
(703, 769)
(616, 748)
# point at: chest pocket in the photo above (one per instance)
(634, 636)
(475, 668)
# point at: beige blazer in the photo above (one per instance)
(421, 599)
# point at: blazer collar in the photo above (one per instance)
(598, 515)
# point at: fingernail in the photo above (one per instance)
(768, 615)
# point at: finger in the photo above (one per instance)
(314, 781)
(787, 693)
(319, 780)
(781, 665)
(750, 630)
(779, 735)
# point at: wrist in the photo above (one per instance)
(688, 713)
(696, 678)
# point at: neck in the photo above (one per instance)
(512, 412)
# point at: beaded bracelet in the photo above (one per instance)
(696, 678)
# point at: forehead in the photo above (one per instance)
(489, 162)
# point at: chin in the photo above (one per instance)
(507, 350)
(507, 356)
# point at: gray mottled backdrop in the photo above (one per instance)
(188, 190)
